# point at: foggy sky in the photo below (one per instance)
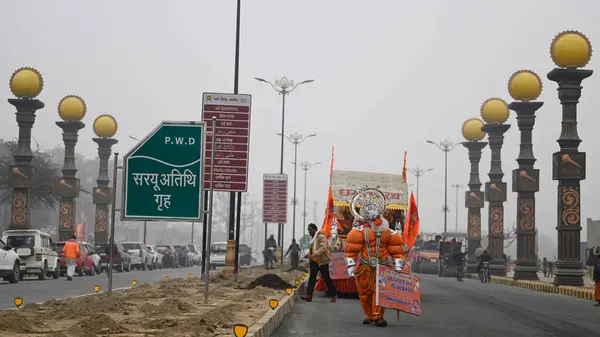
(388, 75)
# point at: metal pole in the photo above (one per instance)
(295, 180)
(445, 190)
(193, 225)
(280, 226)
(418, 175)
(456, 224)
(238, 226)
(145, 231)
(210, 210)
(204, 230)
(113, 212)
(304, 218)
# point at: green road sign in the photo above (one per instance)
(162, 175)
(305, 242)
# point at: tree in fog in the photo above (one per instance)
(45, 169)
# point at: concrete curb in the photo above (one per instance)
(541, 286)
(267, 324)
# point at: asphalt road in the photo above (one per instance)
(454, 309)
(33, 290)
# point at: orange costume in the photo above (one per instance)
(373, 244)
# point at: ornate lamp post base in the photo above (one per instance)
(103, 194)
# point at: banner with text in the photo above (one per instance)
(398, 291)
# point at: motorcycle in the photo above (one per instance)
(485, 273)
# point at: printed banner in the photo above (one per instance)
(345, 185)
(337, 267)
(398, 291)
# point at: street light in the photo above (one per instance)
(71, 110)
(296, 139)
(446, 146)
(134, 138)
(284, 87)
(458, 187)
(306, 166)
(26, 84)
(418, 172)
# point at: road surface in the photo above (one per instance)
(453, 309)
(33, 290)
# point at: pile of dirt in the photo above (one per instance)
(14, 321)
(272, 281)
(168, 307)
(161, 323)
(96, 324)
(172, 290)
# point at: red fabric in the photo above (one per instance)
(326, 227)
(411, 227)
(342, 286)
(404, 169)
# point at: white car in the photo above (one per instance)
(10, 269)
(36, 252)
(91, 252)
(157, 257)
(218, 251)
(138, 253)
(195, 254)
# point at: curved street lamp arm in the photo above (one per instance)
(297, 84)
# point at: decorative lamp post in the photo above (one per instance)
(495, 112)
(418, 172)
(26, 84)
(524, 87)
(570, 51)
(105, 127)
(284, 87)
(474, 198)
(71, 110)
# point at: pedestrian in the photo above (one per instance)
(294, 249)
(71, 250)
(550, 269)
(320, 257)
(545, 266)
(597, 282)
(269, 253)
(591, 263)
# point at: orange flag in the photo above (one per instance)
(328, 219)
(412, 223)
(404, 168)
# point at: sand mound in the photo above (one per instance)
(14, 321)
(272, 281)
(161, 323)
(168, 307)
(96, 324)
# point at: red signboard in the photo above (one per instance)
(232, 140)
(275, 198)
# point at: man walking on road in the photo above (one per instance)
(71, 250)
(295, 256)
(320, 257)
(269, 253)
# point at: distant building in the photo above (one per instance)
(593, 233)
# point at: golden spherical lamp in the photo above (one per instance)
(26, 82)
(105, 126)
(72, 108)
(471, 129)
(525, 85)
(571, 49)
(494, 110)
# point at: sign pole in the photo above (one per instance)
(210, 211)
(113, 216)
(236, 266)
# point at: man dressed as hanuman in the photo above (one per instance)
(369, 246)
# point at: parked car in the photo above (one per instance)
(85, 262)
(170, 256)
(36, 252)
(156, 257)
(10, 268)
(196, 255)
(91, 251)
(138, 254)
(245, 255)
(218, 250)
(120, 260)
(185, 258)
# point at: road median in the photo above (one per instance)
(259, 300)
(586, 293)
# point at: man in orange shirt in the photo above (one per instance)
(71, 250)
